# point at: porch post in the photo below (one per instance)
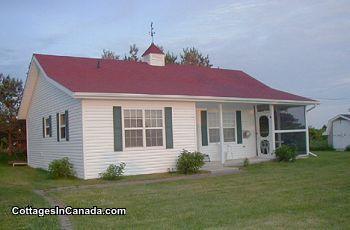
(307, 133)
(221, 136)
(273, 147)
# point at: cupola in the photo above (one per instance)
(154, 56)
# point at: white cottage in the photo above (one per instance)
(338, 131)
(100, 112)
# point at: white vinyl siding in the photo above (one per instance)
(48, 100)
(99, 144)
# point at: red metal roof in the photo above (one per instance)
(152, 49)
(83, 75)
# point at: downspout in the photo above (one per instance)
(307, 128)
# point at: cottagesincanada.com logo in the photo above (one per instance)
(68, 210)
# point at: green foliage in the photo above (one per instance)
(286, 153)
(320, 145)
(61, 168)
(347, 148)
(192, 56)
(10, 98)
(246, 162)
(113, 172)
(189, 162)
(108, 54)
(133, 50)
(170, 58)
(318, 142)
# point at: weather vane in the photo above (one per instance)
(152, 33)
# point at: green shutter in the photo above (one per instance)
(204, 129)
(43, 127)
(67, 125)
(50, 126)
(168, 127)
(239, 126)
(117, 127)
(58, 126)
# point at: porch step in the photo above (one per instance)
(215, 167)
(240, 162)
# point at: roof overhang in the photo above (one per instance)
(128, 96)
(35, 71)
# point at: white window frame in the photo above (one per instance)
(213, 127)
(47, 126)
(60, 126)
(144, 147)
(234, 126)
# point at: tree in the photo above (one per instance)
(191, 56)
(170, 58)
(108, 54)
(133, 50)
(10, 98)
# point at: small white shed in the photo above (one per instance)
(338, 131)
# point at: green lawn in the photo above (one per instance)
(310, 193)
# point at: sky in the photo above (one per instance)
(302, 47)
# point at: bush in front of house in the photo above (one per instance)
(246, 162)
(189, 162)
(286, 153)
(113, 172)
(347, 148)
(61, 168)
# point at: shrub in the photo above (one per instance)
(113, 171)
(286, 153)
(320, 145)
(189, 162)
(246, 162)
(347, 148)
(61, 168)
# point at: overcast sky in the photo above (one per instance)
(301, 47)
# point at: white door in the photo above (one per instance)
(264, 134)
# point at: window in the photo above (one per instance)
(290, 127)
(264, 126)
(47, 127)
(133, 128)
(62, 126)
(229, 124)
(289, 117)
(154, 127)
(293, 139)
(214, 127)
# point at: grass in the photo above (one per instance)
(309, 193)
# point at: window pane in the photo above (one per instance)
(62, 119)
(214, 135)
(132, 118)
(153, 118)
(229, 135)
(228, 119)
(289, 117)
(154, 137)
(213, 119)
(47, 131)
(264, 126)
(63, 132)
(47, 122)
(133, 138)
(261, 108)
(297, 140)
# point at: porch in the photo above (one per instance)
(229, 132)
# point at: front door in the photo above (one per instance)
(264, 133)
